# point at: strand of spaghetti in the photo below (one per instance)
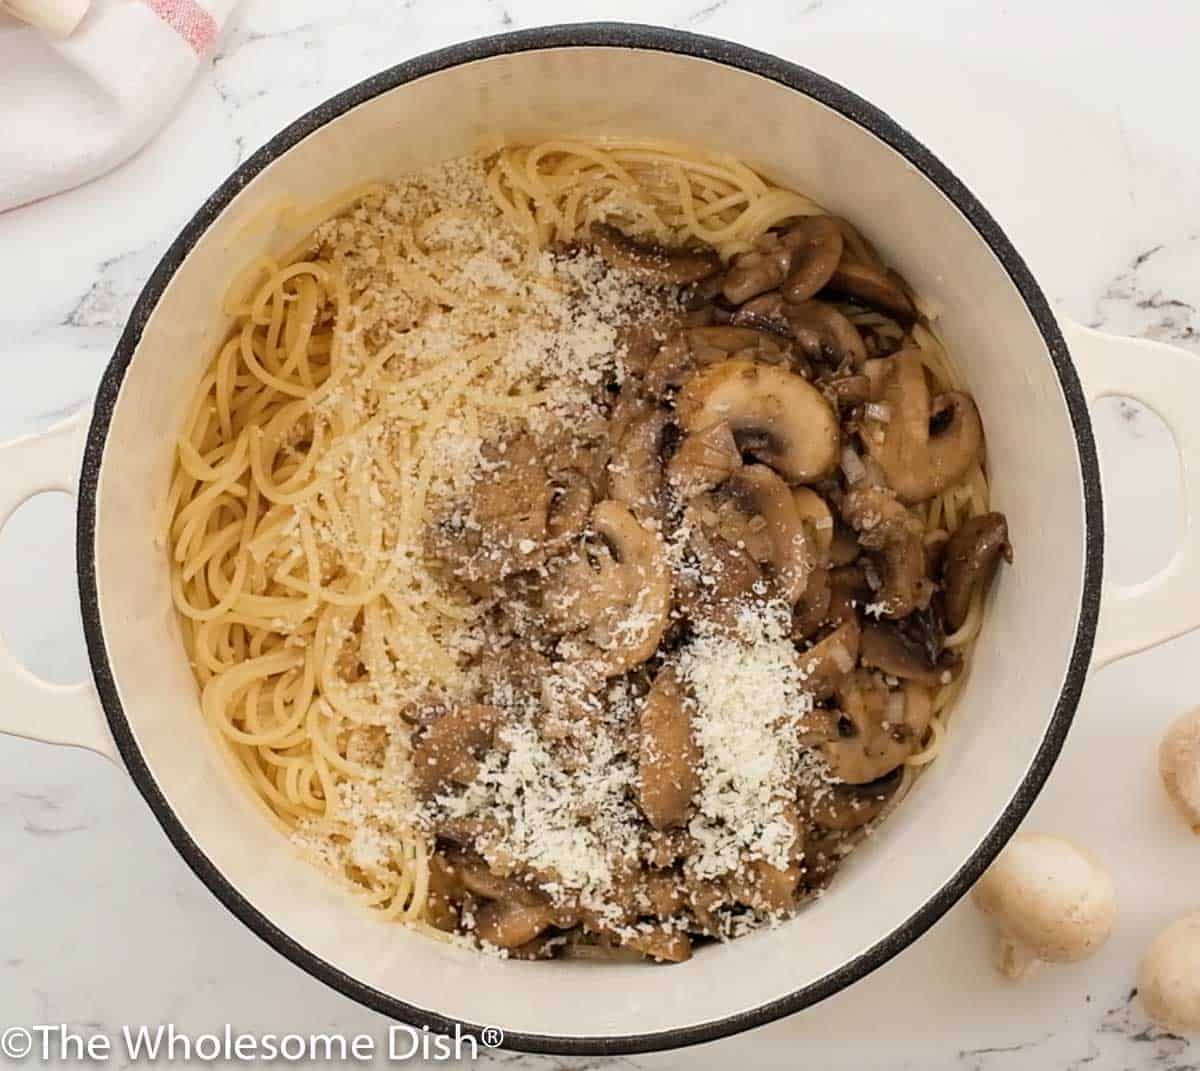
(183, 529)
(320, 764)
(600, 157)
(689, 163)
(278, 801)
(330, 754)
(931, 750)
(246, 349)
(220, 690)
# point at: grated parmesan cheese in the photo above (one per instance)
(749, 695)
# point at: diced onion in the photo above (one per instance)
(841, 658)
(880, 411)
(852, 466)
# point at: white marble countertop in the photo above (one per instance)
(1074, 122)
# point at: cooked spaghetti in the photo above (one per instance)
(579, 549)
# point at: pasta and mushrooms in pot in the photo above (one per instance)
(578, 551)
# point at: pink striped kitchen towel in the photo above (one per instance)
(72, 109)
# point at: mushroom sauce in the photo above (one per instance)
(744, 529)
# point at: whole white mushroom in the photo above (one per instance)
(1169, 977)
(1179, 765)
(1050, 900)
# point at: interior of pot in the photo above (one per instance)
(1021, 659)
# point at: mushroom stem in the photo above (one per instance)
(1014, 959)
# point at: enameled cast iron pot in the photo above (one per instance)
(1049, 621)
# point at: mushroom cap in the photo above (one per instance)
(889, 530)
(620, 602)
(918, 461)
(886, 648)
(971, 555)
(668, 755)
(826, 664)
(758, 490)
(846, 807)
(636, 469)
(1169, 977)
(823, 333)
(775, 415)
(668, 267)
(878, 729)
(816, 244)
(1179, 765)
(878, 287)
(757, 270)
(704, 460)
(1050, 896)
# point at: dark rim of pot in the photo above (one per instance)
(658, 39)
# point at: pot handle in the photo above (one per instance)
(29, 706)
(1166, 379)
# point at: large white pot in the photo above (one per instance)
(1050, 617)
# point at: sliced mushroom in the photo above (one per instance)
(767, 312)
(848, 588)
(844, 549)
(816, 243)
(896, 537)
(635, 471)
(712, 344)
(815, 512)
(724, 574)
(638, 343)
(509, 514)
(668, 756)
(702, 347)
(811, 610)
(801, 259)
(765, 888)
(924, 446)
(617, 598)
(471, 874)
(886, 648)
(659, 893)
(775, 416)
(829, 661)
(854, 245)
(879, 728)
(668, 267)
(759, 492)
(704, 460)
(843, 808)
(880, 288)
(449, 749)
(825, 334)
(846, 391)
(760, 269)
(510, 924)
(445, 895)
(660, 943)
(570, 507)
(970, 558)
(861, 274)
